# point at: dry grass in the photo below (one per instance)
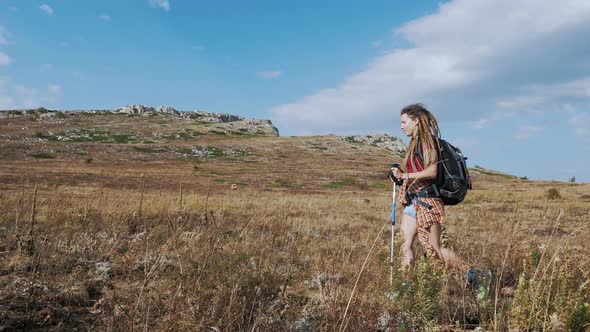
(118, 245)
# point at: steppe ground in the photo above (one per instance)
(133, 230)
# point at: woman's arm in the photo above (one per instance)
(428, 173)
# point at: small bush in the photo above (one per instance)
(43, 156)
(217, 132)
(553, 194)
(350, 139)
(122, 138)
(41, 135)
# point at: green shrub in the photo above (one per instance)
(43, 156)
(350, 139)
(122, 138)
(551, 296)
(184, 150)
(421, 299)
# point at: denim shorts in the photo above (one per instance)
(410, 211)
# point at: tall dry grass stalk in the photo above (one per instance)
(503, 267)
(141, 192)
(31, 237)
(18, 211)
(180, 201)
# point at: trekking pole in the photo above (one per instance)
(393, 206)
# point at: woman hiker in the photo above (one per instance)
(424, 215)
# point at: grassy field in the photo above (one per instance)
(118, 234)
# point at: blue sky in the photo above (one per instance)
(508, 80)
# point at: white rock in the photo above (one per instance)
(381, 140)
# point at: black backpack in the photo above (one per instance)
(452, 178)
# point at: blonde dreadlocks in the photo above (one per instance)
(427, 133)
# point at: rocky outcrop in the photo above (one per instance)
(237, 124)
(141, 109)
(196, 114)
(218, 123)
(392, 143)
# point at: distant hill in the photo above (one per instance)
(215, 123)
(147, 135)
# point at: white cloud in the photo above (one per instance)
(543, 94)
(18, 96)
(46, 9)
(488, 119)
(6, 102)
(104, 17)
(470, 59)
(527, 131)
(28, 97)
(164, 4)
(269, 73)
(5, 59)
(53, 93)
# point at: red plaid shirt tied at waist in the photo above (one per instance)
(425, 217)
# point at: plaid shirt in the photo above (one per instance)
(424, 217)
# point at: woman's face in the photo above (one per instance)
(409, 126)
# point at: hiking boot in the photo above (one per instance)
(479, 281)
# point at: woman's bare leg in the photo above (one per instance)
(447, 255)
(409, 231)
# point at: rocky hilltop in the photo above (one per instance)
(385, 141)
(222, 122)
(140, 124)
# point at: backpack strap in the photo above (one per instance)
(424, 204)
(419, 148)
(426, 192)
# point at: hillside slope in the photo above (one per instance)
(78, 146)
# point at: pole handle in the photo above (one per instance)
(392, 177)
